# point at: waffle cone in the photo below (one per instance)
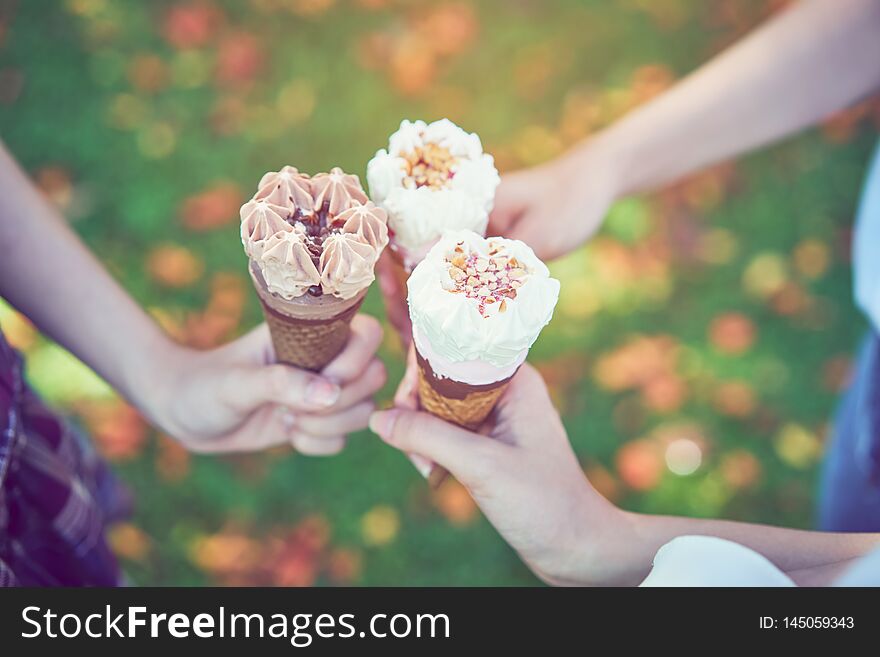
(401, 273)
(306, 339)
(308, 344)
(464, 404)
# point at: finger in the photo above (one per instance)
(347, 421)
(362, 388)
(423, 465)
(526, 402)
(407, 395)
(467, 455)
(265, 428)
(255, 346)
(531, 229)
(526, 387)
(317, 446)
(366, 335)
(247, 388)
(511, 199)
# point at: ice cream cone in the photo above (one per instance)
(477, 305)
(313, 243)
(432, 178)
(464, 404)
(308, 332)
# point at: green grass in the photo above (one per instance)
(527, 62)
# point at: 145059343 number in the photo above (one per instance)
(818, 622)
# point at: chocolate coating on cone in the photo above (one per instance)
(460, 403)
(344, 316)
(455, 389)
(309, 342)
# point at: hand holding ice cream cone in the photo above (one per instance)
(477, 305)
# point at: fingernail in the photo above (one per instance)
(321, 392)
(422, 464)
(382, 422)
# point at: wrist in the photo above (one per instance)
(586, 554)
(605, 154)
(604, 536)
(150, 377)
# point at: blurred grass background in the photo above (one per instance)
(699, 344)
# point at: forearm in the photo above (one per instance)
(812, 59)
(626, 553)
(50, 276)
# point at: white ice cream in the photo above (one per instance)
(462, 334)
(459, 193)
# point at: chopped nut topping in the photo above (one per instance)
(456, 274)
(430, 165)
(491, 281)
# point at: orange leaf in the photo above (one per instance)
(640, 464)
(740, 469)
(214, 207)
(732, 333)
(240, 59)
(734, 398)
(148, 73)
(129, 542)
(174, 266)
(191, 24)
(344, 565)
(118, 430)
(455, 503)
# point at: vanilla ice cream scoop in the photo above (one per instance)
(432, 178)
(478, 304)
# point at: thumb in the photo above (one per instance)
(407, 395)
(511, 199)
(248, 388)
(532, 229)
(469, 456)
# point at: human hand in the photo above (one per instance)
(394, 295)
(237, 398)
(557, 206)
(521, 472)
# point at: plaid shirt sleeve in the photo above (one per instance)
(7, 577)
(50, 475)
